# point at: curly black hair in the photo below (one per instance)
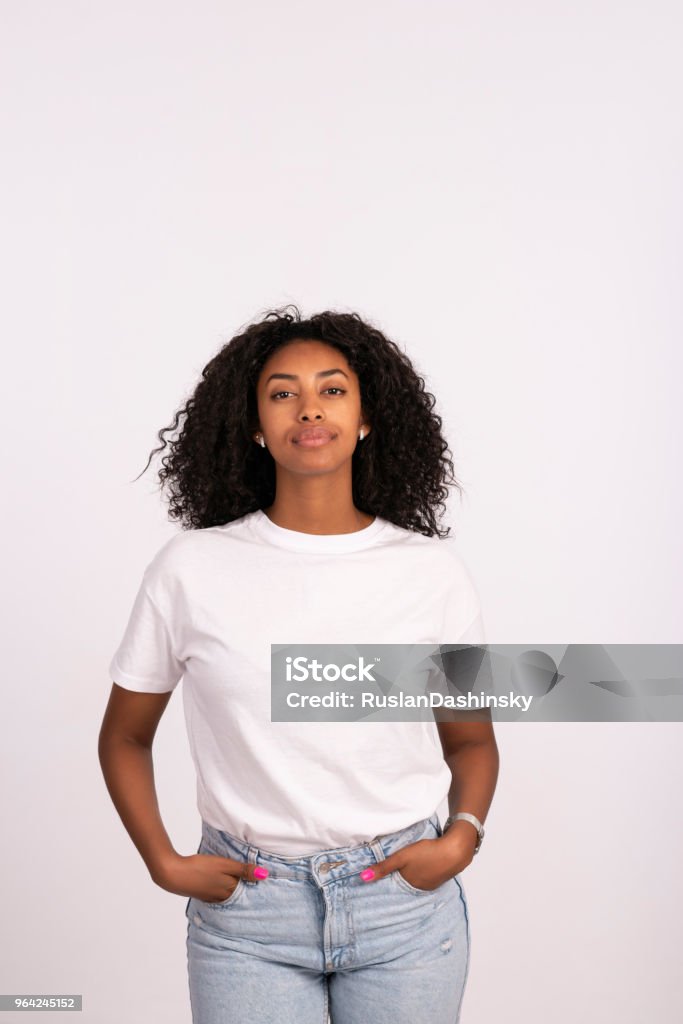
(216, 473)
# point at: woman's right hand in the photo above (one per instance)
(206, 876)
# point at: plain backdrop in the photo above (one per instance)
(497, 187)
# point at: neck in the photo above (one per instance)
(318, 518)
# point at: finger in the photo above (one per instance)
(244, 869)
(385, 867)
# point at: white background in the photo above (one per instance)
(497, 186)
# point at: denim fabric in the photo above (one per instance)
(314, 943)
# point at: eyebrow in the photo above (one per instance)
(294, 376)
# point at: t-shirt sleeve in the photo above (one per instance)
(474, 634)
(463, 620)
(146, 659)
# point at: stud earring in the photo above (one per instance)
(361, 435)
(261, 441)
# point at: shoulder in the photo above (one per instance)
(172, 553)
(451, 557)
(190, 550)
(439, 555)
(179, 554)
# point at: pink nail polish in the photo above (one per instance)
(367, 874)
(261, 872)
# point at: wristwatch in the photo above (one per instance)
(467, 817)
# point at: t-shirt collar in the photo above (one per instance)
(323, 543)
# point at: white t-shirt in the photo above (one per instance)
(210, 604)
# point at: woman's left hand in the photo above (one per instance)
(428, 863)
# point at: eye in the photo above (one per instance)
(333, 388)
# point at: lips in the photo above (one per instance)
(312, 434)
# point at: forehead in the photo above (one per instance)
(305, 357)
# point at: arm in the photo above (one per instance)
(471, 753)
(125, 753)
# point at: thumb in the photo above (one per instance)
(382, 869)
(244, 869)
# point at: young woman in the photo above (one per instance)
(306, 474)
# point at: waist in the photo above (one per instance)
(335, 862)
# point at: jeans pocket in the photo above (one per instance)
(403, 883)
(232, 897)
(432, 830)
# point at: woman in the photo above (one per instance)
(306, 474)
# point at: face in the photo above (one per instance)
(309, 407)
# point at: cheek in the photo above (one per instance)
(275, 416)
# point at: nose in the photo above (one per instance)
(309, 411)
(309, 407)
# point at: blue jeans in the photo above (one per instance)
(313, 939)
